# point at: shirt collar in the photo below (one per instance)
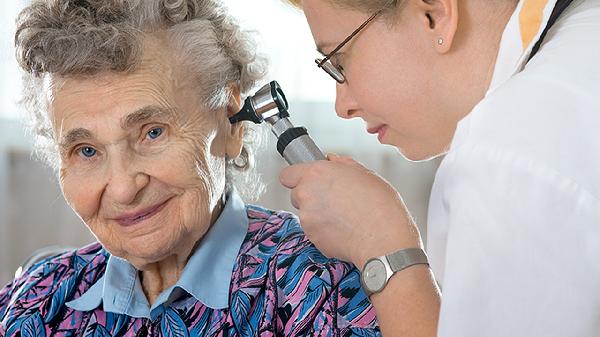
(206, 276)
(521, 33)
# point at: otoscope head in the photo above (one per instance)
(268, 101)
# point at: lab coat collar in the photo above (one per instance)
(522, 31)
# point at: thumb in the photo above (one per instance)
(290, 176)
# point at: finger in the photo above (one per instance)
(340, 159)
(294, 199)
(332, 156)
(290, 176)
(300, 197)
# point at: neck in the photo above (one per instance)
(497, 19)
(158, 276)
(482, 47)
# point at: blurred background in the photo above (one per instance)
(33, 213)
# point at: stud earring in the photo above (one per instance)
(440, 41)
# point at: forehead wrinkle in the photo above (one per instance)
(147, 113)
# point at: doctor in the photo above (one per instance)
(514, 217)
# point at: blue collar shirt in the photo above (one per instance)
(206, 276)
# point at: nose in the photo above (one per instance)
(345, 105)
(125, 181)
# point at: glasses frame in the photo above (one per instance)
(325, 63)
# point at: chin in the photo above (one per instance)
(419, 156)
(142, 251)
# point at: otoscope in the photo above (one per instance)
(269, 104)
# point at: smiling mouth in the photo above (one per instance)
(138, 217)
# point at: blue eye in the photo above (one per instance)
(87, 151)
(155, 133)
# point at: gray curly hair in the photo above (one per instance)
(86, 37)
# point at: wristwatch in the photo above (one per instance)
(377, 271)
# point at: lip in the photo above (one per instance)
(130, 219)
(380, 130)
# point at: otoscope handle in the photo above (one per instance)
(296, 146)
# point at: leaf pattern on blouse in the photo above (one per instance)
(281, 286)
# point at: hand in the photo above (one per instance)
(348, 211)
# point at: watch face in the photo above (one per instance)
(374, 275)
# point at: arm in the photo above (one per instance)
(352, 214)
(346, 311)
(409, 304)
(5, 295)
(349, 312)
(25, 293)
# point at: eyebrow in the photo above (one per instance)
(147, 113)
(321, 46)
(74, 136)
(142, 115)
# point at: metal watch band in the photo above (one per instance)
(377, 271)
(405, 258)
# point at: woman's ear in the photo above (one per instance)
(440, 18)
(235, 136)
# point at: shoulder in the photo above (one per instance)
(547, 115)
(553, 103)
(48, 284)
(310, 291)
(278, 234)
(270, 230)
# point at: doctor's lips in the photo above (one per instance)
(130, 219)
(379, 130)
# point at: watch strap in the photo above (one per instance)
(405, 258)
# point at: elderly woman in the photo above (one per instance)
(130, 101)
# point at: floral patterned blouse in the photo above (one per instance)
(281, 285)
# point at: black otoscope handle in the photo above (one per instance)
(296, 146)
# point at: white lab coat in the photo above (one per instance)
(514, 216)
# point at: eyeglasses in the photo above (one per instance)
(333, 70)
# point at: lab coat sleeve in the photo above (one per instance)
(523, 248)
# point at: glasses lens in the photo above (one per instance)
(331, 70)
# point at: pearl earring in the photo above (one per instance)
(440, 41)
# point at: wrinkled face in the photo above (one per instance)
(396, 78)
(141, 163)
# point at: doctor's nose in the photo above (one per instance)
(125, 181)
(345, 105)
